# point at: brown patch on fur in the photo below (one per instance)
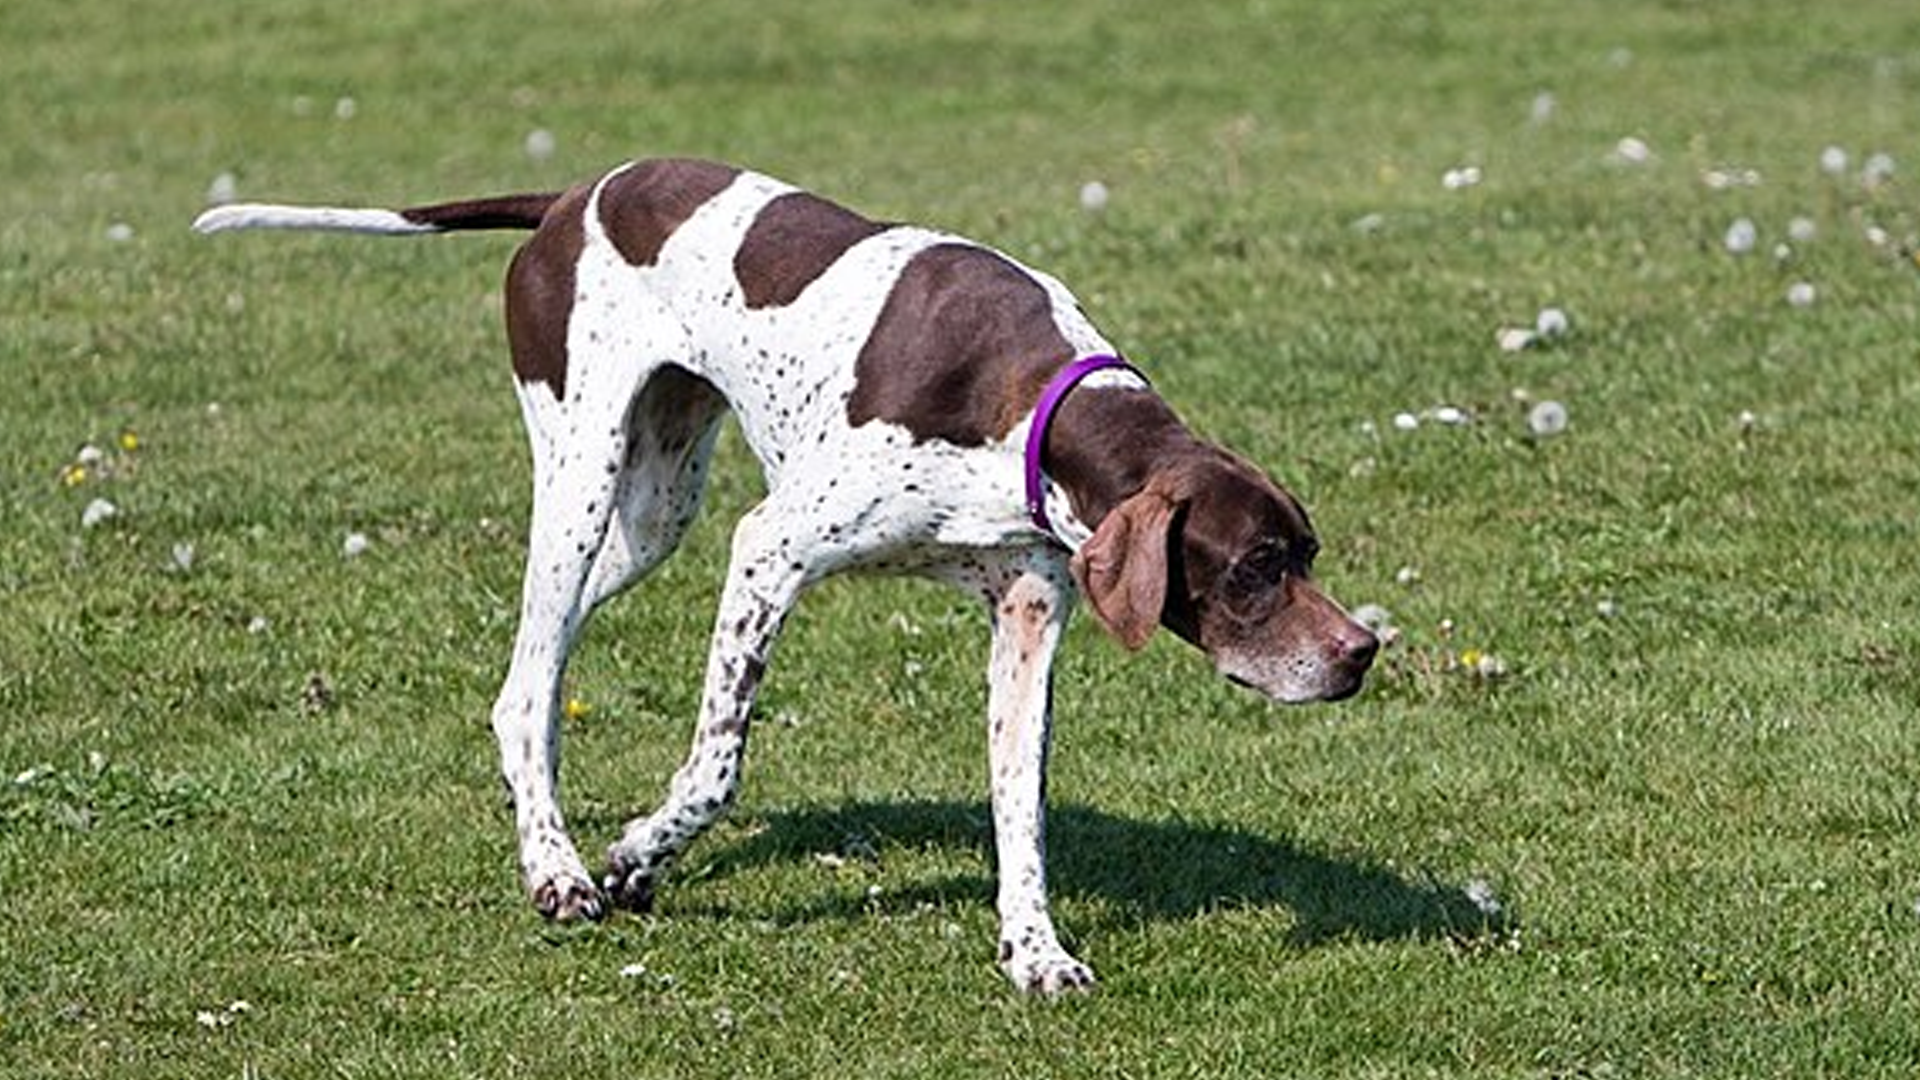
(962, 349)
(642, 206)
(540, 285)
(792, 242)
(504, 212)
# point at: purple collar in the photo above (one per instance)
(1057, 390)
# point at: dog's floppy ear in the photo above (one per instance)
(1122, 569)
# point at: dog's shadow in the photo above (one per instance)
(1139, 871)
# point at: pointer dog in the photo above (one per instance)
(919, 403)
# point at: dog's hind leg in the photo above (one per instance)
(764, 579)
(574, 484)
(585, 379)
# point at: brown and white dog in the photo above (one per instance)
(888, 379)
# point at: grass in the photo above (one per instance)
(248, 820)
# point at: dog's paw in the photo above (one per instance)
(631, 890)
(568, 898)
(1051, 973)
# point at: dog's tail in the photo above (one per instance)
(503, 212)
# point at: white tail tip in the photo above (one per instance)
(320, 218)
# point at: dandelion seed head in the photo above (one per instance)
(223, 189)
(1741, 236)
(540, 144)
(1547, 419)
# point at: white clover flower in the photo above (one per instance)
(1514, 338)
(345, 109)
(182, 557)
(1480, 894)
(1551, 322)
(1801, 294)
(1833, 161)
(540, 144)
(119, 232)
(1405, 421)
(1458, 179)
(1632, 151)
(1542, 109)
(1802, 230)
(98, 512)
(355, 545)
(1878, 170)
(1094, 196)
(1451, 415)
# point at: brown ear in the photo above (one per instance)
(1122, 570)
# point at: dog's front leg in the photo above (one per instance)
(1030, 604)
(763, 581)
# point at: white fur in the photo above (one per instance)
(321, 218)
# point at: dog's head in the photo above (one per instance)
(1223, 557)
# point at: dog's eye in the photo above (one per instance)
(1262, 566)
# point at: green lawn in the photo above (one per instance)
(249, 824)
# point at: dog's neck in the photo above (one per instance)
(1105, 444)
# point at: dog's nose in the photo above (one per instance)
(1358, 649)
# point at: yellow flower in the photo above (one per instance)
(577, 709)
(1470, 659)
(73, 475)
(129, 441)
